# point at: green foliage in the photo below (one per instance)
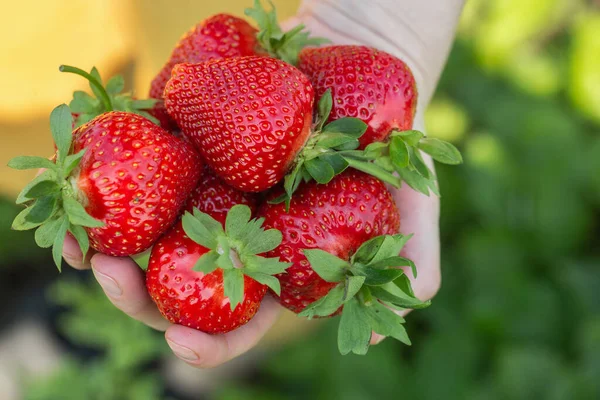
(126, 346)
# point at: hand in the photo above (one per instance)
(123, 281)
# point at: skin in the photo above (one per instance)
(425, 51)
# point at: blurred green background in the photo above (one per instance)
(518, 315)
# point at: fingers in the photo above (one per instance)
(202, 350)
(73, 256)
(124, 284)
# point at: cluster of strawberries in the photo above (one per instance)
(258, 164)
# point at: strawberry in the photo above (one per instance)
(215, 197)
(341, 239)
(110, 98)
(251, 119)
(220, 36)
(365, 83)
(226, 36)
(119, 179)
(379, 89)
(209, 278)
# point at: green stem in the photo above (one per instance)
(103, 95)
(374, 170)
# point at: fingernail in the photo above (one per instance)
(108, 284)
(183, 352)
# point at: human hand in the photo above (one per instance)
(123, 281)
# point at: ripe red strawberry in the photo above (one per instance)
(341, 240)
(215, 197)
(379, 89)
(365, 83)
(226, 36)
(337, 217)
(119, 179)
(251, 119)
(107, 98)
(220, 36)
(211, 279)
(248, 116)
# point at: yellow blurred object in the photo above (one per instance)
(38, 36)
(585, 65)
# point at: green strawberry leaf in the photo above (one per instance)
(115, 85)
(195, 226)
(59, 241)
(350, 126)
(441, 151)
(237, 220)
(83, 103)
(46, 175)
(418, 182)
(334, 140)
(374, 170)
(354, 332)
(327, 304)
(375, 150)
(353, 284)
(77, 214)
(399, 298)
(377, 277)
(320, 170)
(411, 137)
(385, 322)
(265, 279)
(390, 247)
(263, 242)
(143, 104)
(399, 152)
(403, 283)
(368, 250)
(233, 286)
(395, 261)
(61, 122)
(329, 267)
(43, 188)
(82, 238)
(324, 109)
(20, 223)
(270, 265)
(42, 210)
(107, 98)
(46, 233)
(207, 262)
(31, 162)
(336, 161)
(72, 161)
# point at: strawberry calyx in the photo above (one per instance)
(402, 154)
(53, 203)
(370, 286)
(107, 98)
(331, 149)
(235, 249)
(283, 45)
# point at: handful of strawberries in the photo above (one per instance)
(258, 164)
